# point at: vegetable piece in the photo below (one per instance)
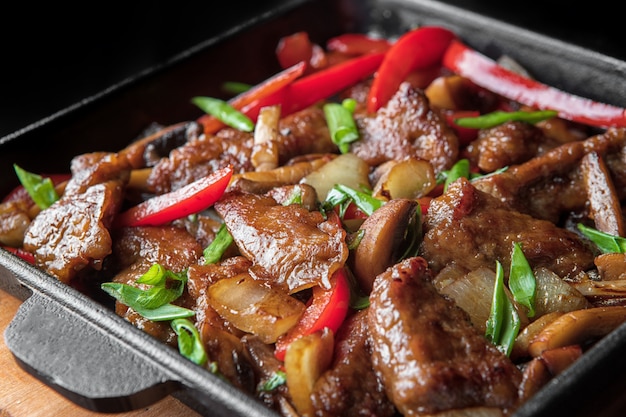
(408, 178)
(418, 49)
(327, 308)
(388, 232)
(498, 117)
(347, 169)
(264, 155)
(341, 124)
(305, 361)
(578, 327)
(224, 112)
(189, 342)
(213, 253)
(298, 47)
(461, 169)
(313, 88)
(465, 134)
(341, 194)
(264, 89)
(130, 296)
(190, 199)
(21, 253)
(522, 281)
(486, 73)
(235, 87)
(504, 323)
(605, 242)
(40, 189)
(357, 44)
(254, 307)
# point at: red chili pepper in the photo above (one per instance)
(327, 308)
(260, 91)
(320, 85)
(297, 48)
(486, 73)
(418, 49)
(465, 134)
(190, 199)
(357, 44)
(27, 256)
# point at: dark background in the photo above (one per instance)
(55, 56)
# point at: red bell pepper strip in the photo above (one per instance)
(328, 308)
(27, 256)
(357, 44)
(486, 73)
(312, 88)
(418, 49)
(297, 48)
(265, 88)
(190, 199)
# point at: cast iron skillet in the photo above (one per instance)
(80, 348)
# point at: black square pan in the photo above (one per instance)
(94, 358)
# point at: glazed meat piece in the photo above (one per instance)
(532, 187)
(290, 246)
(508, 144)
(473, 229)
(199, 158)
(426, 351)
(73, 233)
(350, 387)
(135, 250)
(406, 126)
(304, 132)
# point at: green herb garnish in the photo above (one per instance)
(343, 130)
(214, 252)
(497, 118)
(223, 111)
(40, 189)
(522, 282)
(504, 323)
(606, 242)
(341, 195)
(277, 379)
(189, 342)
(235, 87)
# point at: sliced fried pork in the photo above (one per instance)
(472, 229)
(426, 351)
(73, 234)
(405, 127)
(350, 387)
(552, 184)
(290, 246)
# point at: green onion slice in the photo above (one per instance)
(223, 111)
(235, 87)
(214, 252)
(503, 323)
(497, 118)
(277, 379)
(522, 282)
(461, 169)
(343, 130)
(40, 189)
(189, 342)
(606, 242)
(341, 194)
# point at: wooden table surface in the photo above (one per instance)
(22, 395)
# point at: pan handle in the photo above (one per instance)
(83, 363)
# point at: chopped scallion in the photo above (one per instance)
(504, 323)
(341, 194)
(40, 189)
(343, 130)
(606, 242)
(214, 252)
(189, 342)
(277, 379)
(522, 282)
(223, 111)
(497, 118)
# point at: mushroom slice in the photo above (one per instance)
(407, 178)
(578, 327)
(264, 155)
(386, 233)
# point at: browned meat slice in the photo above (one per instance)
(473, 229)
(135, 250)
(72, 233)
(406, 126)
(14, 220)
(289, 246)
(198, 158)
(507, 144)
(350, 387)
(304, 132)
(551, 184)
(96, 168)
(425, 350)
